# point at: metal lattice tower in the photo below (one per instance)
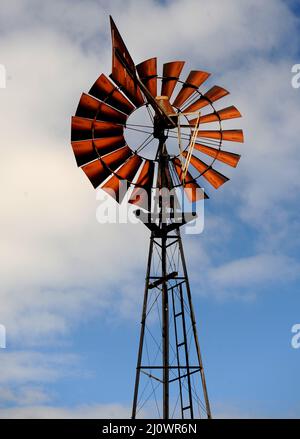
(169, 353)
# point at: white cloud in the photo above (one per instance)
(227, 410)
(255, 271)
(97, 411)
(34, 367)
(24, 396)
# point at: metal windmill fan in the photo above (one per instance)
(101, 149)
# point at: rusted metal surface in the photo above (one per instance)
(227, 113)
(215, 178)
(147, 71)
(106, 129)
(214, 94)
(119, 73)
(98, 170)
(191, 84)
(105, 90)
(83, 129)
(171, 73)
(84, 151)
(87, 107)
(110, 114)
(191, 187)
(91, 108)
(125, 172)
(108, 144)
(229, 158)
(231, 135)
(88, 150)
(141, 195)
(116, 158)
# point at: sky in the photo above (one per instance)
(71, 288)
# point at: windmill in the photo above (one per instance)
(181, 135)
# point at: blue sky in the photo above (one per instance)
(71, 289)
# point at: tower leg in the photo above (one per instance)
(142, 334)
(165, 329)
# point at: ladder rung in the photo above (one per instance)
(178, 314)
(186, 408)
(180, 344)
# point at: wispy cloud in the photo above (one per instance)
(109, 411)
(34, 367)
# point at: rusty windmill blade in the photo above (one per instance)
(122, 63)
(117, 158)
(126, 172)
(104, 90)
(230, 135)
(147, 71)
(191, 187)
(171, 73)
(107, 113)
(215, 178)
(229, 158)
(88, 150)
(225, 114)
(90, 138)
(98, 170)
(91, 108)
(83, 129)
(84, 152)
(214, 94)
(88, 107)
(141, 195)
(108, 144)
(106, 129)
(192, 83)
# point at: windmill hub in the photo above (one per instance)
(159, 129)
